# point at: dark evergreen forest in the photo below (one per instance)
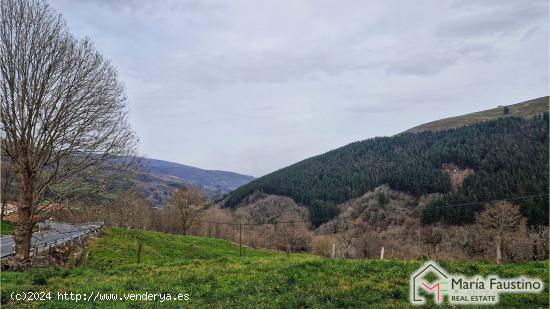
(509, 157)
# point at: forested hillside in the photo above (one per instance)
(508, 156)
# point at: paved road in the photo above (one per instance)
(49, 232)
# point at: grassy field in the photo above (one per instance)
(524, 109)
(7, 228)
(215, 276)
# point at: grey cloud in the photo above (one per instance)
(370, 109)
(478, 51)
(494, 22)
(424, 64)
(253, 86)
(491, 4)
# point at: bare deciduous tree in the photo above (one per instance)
(187, 203)
(7, 180)
(129, 210)
(539, 236)
(501, 219)
(63, 110)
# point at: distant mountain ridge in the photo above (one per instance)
(208, 179)
(160, 178)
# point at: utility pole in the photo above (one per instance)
(241, 238)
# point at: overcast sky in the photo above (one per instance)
(253, 86)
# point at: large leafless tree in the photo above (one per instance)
(186, 204)
(501, 219)
(63, 109)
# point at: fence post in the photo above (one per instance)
(333, 253)
(139, 253)
(241, 239)
(382, 254)
(499, 255)
(86, 258)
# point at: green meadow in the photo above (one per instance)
(7, 228)
(214, 276)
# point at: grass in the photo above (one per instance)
(216, 277)
(7, 228)
(525, 109)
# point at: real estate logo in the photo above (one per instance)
(461, 290)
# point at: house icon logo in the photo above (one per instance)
(432, 280)
(419, 282)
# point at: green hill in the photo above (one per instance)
(525, 109)
(508, 156)
(216, 277)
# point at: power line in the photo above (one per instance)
(351, 219)
(492, 201)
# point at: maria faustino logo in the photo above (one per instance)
(461, 290)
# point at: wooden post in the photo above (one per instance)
(499, 256)
(535, 251)
(241, 239)
(139, 253)
(333, 253)
(86, 258)
(382, 254)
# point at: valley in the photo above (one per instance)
(400, 153)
